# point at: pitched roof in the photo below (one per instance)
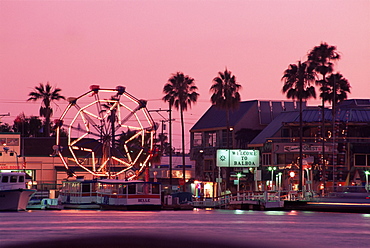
(355, 103)
(311, 115)
(343, 115)
(216, 118)
(274, 126)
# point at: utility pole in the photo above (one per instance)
(170, 136)
(2, 115)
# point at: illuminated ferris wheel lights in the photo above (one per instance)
(131, 127)
(78, 139)
(122, 128)
(138, 156)
(91, 114)
(121, 161)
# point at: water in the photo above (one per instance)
(197, 228)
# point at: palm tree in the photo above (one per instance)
(47, 94)
(226, 96)
(181, 93)
(336, 89)
(297, 85)
(321, 58)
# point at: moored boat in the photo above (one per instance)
(79, 194)
(345, 199)
(46, 204)
(14, 195)
(129, 195)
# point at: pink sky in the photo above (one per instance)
(139, 44)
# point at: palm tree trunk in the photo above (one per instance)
(227, 181)
(323, 144)
(170, 134)
(333, 105)
(47, 126)
(183, 148)
(300, 146)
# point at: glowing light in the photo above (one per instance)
(97, 122)
(293, 212)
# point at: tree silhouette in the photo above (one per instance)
(47, 95)
(226, 96)
(180, 93)
(298, 79)
(321, 58)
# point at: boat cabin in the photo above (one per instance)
(79, 194)
(129, 194)
(12, 180)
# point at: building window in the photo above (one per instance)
(208, 165)
(210, 139)
(295, 132)
(285, 132)
(362, 159)
(197, 139)
(266, 159)
(288, 158)
(224, 139)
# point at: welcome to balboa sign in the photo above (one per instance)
(237, 158)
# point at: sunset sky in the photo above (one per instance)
(140, 43)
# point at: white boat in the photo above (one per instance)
(129, 195)
(43, 200)
(46, 204)
(14, 194)
(79, 194)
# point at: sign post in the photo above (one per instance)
(237, 158)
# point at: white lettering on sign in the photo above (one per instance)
(307, 148)
(238, 158)
(143, 200)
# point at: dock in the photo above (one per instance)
(285, 201)
(244, 201)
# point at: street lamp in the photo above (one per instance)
(292, 175)
(7, 149)
(239, 175)
(367, 173)
(279, 181)
(272, 169)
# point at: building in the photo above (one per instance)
(272, 127)
(37, 156)
(345, 149)
(160, 171)
(210, 133)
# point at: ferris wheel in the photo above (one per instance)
(109, 133)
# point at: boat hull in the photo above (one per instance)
(331, 205)
(45, 204)
(79, 201)
(15, 199)
(130, 202)
(81, 206)
(131, 207)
